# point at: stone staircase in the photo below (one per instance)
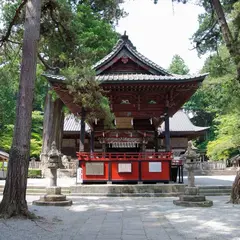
(39, 190)
(215, 190)
(150, 190)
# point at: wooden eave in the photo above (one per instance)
(178, 91)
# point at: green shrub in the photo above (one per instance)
(34, 173)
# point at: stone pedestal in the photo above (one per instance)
(191, 198)
(53, 195)
(53, 198)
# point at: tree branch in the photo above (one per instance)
(47, 66)
(17, 13)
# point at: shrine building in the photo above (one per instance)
(143, 97)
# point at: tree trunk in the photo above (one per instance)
(52, 128)
(14, 195)
(231, 44)
(235, 194)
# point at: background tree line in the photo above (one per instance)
(74, 35)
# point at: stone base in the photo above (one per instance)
(191, 191)
(53, 198)
(58, 203)
(191, 198)
(206, 203)
(53, 190)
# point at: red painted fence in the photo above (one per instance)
(141, 167)
(140, 156)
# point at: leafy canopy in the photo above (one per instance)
(74, 35)
(178, 66)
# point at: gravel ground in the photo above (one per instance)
(102, 218)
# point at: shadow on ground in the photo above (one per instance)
(126, 218)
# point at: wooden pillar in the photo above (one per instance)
(82, 133)
(104, 146)
(156, 140)
(144, 147)
(92, 142)
(167, 132)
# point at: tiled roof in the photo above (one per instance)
(73, 124)
(125, 42)
(136, 77)
(4, 154)
(180, 122)
(147, 77)
(57, 78)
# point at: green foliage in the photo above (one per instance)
(6, 137)
(34, 173)
(228, 137)
(217, 98)
(74, 35)
(78, 35)
(36, 135)
(178, 66)
(8, 91)
(88, 93)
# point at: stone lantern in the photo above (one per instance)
(54, 159)
(190, 163)
(53, 196)
(191, 197)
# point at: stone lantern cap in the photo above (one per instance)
(191, 155)
(54, 156)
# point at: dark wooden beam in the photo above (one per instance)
(156, 140)
(167, 131)
(92, 141)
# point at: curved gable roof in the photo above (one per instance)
(125, 45)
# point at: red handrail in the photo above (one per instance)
(104, 156)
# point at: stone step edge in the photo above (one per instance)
(126, 195)
(214, 190)
(214, 187)
(37, 187)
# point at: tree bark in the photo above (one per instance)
(52, 128)
(231, 43)
(14, 196)
(235, 194)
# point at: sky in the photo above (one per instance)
(163, 30)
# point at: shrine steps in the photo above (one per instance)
(215, 190)
(131, 190)
(145, 190)
(39, 190)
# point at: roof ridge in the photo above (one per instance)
(125, 41)
(154, 65)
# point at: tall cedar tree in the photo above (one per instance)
(14, 195)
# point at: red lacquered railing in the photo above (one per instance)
(149, 156)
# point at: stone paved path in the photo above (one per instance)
(95, 218)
